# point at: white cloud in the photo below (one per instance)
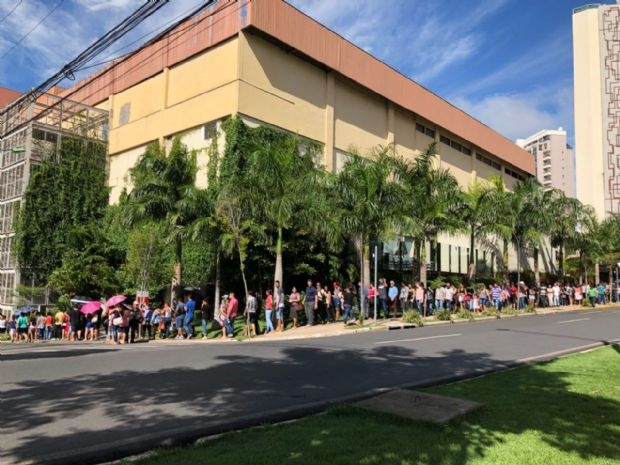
(418, 37)
(520, 115)
(68, 31)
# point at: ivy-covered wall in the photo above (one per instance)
(60, 195)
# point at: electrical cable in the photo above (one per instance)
(128, 24)
(138, 65)
(11, 12)
(16, 44)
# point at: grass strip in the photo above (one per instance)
(562, 412)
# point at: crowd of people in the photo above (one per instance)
(317, 304)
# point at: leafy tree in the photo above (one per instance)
(367, 199)
(85, 267)
(62, 192)
(429, 200)
(478, 215)
(569, 216)
(283, 183)
(162, 185)
(529, 207)
(149, 263)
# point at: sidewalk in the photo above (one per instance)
(302, 332)
(339, 329)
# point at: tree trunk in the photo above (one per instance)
(216, 298)
(178, 265)
(423, 261)
(242, 266)
(505, 260)
(561, 260)
(277, 276)
(597, 271)
(518, 263)
(472, 265)
(536, 268)
(363, 277)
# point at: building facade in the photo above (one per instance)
(555, 159)
(26, 144)
(269, 63)
(596, 52)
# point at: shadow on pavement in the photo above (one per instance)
(139, 410)
(12, 356)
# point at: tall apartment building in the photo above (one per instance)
(555, 160)
(596, 52)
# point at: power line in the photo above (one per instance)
(16, 44)
(113, 55)
(12, 112)
(11, 12)
(17, 105)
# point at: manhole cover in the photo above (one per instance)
(419, 405)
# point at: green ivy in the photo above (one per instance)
(62, 192)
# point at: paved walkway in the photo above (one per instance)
(340, 329)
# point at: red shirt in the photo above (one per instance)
(233, 306)
(269, 302)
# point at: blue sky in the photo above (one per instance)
(506, 62)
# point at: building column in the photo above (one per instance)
(329, 139)
(390, 123)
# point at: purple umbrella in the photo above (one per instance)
(117, 299)
(90, 307)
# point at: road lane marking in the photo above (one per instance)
(573, 321)
(419, 339)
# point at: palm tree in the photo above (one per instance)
(569, 216)
(162, 184)
(238, 226)
(505, 220)
(478, 216)
(529, 206)
(366, 200)
(430, 195)
(283, 183)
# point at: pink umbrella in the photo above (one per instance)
(90, 307)
(117, 299)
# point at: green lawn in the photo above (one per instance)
(562, 412)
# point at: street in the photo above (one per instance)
(88, 403)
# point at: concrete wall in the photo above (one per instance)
(588, 109)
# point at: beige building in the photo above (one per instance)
(555, 161)
(596, 51)
(269, 63)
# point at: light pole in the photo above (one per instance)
(374, 298)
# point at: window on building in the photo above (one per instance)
(124, 114)
(425, 130)
(487, 161)
(209, 130)
(454, 144)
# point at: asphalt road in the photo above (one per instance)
(91, 403)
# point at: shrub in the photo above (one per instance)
(465, 315)
(530, 309)
(491, 311)
(510, 311)
(413, 317)
(443, 315)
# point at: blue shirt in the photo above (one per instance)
(190, 306)
(310, 294)
(392, 292)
